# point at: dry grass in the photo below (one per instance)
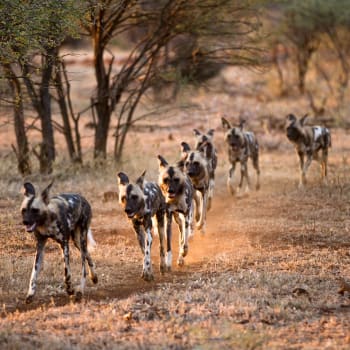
(265, 275)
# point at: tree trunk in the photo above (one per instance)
(48, 146)
(74, 156)
(101, 106)
(22, 151)
(41, 101)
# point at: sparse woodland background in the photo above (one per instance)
(89, 88)
(168, 47)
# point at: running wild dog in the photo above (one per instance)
(204, 142)
(308, 141)
(242, 145)
(196, 166)
(178, 191)
(61, 218)
(142, 201)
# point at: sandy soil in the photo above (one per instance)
(264, 276)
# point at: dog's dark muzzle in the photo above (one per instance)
(235, 144)
(193, 171)
(129, 212)
(293, 134)
(30, 226)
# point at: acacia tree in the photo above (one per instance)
(33, 34)
(309, 26)
(10, 46)
(303, 33)
(221, 31)
(333, 19)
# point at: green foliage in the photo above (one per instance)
(316, 15)
(35, 26)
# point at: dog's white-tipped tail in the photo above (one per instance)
(91, 242)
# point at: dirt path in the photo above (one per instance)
(119, 260)
(235, 226)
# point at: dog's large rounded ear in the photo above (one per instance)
(162, 162)
(211, 132)
(208, 150)
(197, 132)
(303, 119)
(225, 123)
(241, 124)
(181, 164)
(28, 189)
(45, 195)
(185, 148)
(203, 145)
(141, 179)
(291, 118)
(122, 178)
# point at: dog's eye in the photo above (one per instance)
(176, 180)
(196, 163)
(35, 210)
(23, 210)
(166, 181)
(123, 199)
(134, 197)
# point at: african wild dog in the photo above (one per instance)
(205, 142)
(143, 201)
(62, 217)
(242, 145)
(308, 141)
(196, 166)
(178, 191)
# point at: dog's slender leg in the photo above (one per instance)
(92, 273)
(40, 245)
(161, 235)
(83, 252)
(324, 165)
(203, 210)
(169, 255)
(147, 273)
(230, 179)
(190, 220)
(302, 180)
(79, 293)
(306, 166)
(184, 225)
(139, 234)
(67, 272)
(197, 199)
(244, 174)
(257, 169)
(211, 192)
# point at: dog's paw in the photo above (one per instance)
(78, 296)
(231, 190)
(29, 299)
(199, 225)
(162, 267)
(70, 291)
(180, 261)
(94, 279)
(184, 250)
(209, 204)
(147, 276)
